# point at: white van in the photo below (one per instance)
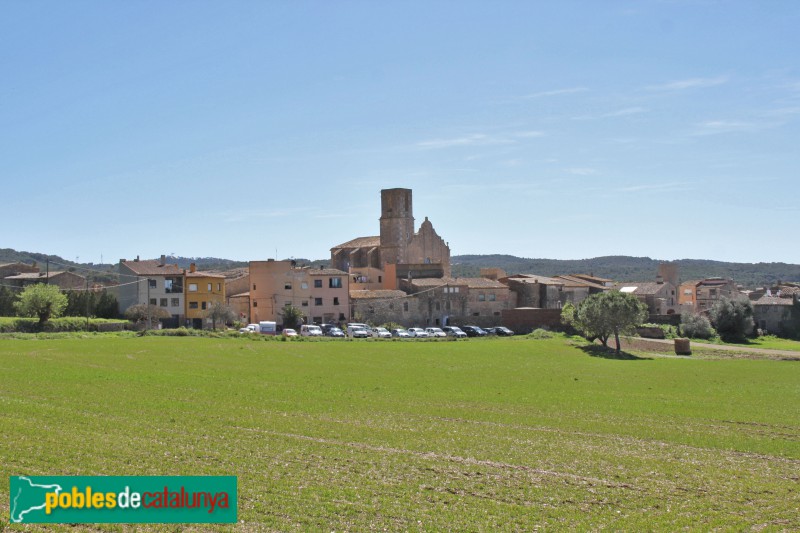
(310, 330)
(267, 328)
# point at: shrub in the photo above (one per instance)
(540, 334)
(696, 326)
(733, 319)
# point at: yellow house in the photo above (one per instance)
(203, 289)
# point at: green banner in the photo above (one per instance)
(123, 499)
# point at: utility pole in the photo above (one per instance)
(147, 324)
(87, 304)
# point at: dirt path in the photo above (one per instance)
(718, 347)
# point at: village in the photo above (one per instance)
(402, 277)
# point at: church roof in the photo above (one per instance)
(360, 242)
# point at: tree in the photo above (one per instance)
(733, 318)
(139, 313)
(7, 299)
(292, 316)
(696, 326)
(606, 313)
(568, 314)
(219, 312)
(107, 306)
(43, 301)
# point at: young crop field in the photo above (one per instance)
(484, 434)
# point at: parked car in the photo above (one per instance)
(381, 333)
(327, 327)
(335, 332)
(418, 333)
(454, 331)
(357, 331)
(500, 331)
(435, 332)
(310, 330)
(289, 332)
(473, 331)
(400, 333)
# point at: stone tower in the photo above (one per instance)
(668, 272)
(397, 225)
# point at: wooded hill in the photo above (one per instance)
(624, 268)
(618, 268)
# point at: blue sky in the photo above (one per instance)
(565, 130)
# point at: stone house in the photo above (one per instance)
(458, 301)
(13, 269)
(62, 279)
(703, 294)
(538, 292)
(155, 282)
(321, 294)
(382, 306)
(660, 296)
(575, 289)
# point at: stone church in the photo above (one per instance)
(398, 252)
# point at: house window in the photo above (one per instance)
(380, 278)
(287, 286)
(152, 283)
(176, 302)
(192, 305)
(317, 283)
(713, 292)
(153, 301)
(173, 285)
(255, 303)
(476, 314)
(254, 286)
(481, 297)
(492, 297)
(335, 300)
(405, 306)
(163, 302)
(317, 301)
(287, 304)
(193, 287)
(334, 283)
(317, 320)
(209, 287)
(304, 303)
(203, 305)
(304, 285)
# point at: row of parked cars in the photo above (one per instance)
(363, 331)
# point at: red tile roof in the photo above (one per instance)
(153, 267)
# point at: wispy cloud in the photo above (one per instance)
(690, 83)
(581, 171)
(251, 214)
(477, 139)
(716, 127)
(529, 134)
(611, 114)
(655, 187)
(557, 92)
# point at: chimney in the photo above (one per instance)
(163, 259)
(660, 279)
(136, 260)
(192, 267)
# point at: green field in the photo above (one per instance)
(495, 434)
